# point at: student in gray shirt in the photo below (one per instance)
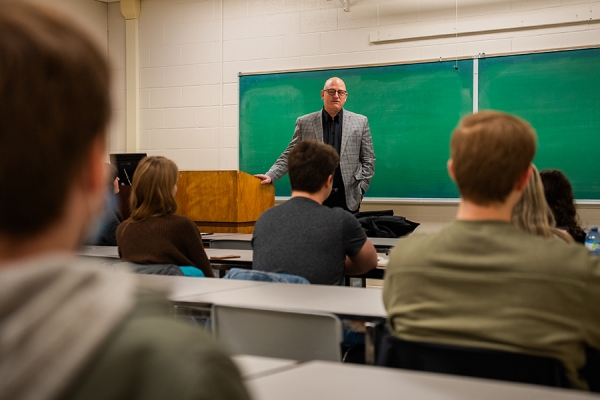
(303, 237)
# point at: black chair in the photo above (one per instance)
(473, 362)
(591, 371)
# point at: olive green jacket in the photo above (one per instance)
(487, 284)
(151, 356)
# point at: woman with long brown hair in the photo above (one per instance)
(559, 195)
(154, 234)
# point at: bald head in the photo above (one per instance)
(333, 103)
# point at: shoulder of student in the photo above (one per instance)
(557, 257)
(181, 220)
(153, 356)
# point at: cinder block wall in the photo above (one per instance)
(191, 52)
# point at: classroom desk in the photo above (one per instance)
(99, 251)
(364, 305)
(184, 286)
(382, 245)
(208, 237)
(321, 380)
(244, 261)
(346, 302)
(255, 366)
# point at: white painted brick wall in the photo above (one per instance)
(180, 117)
(116, 52)
(181, 76)
(191, 52)
(152, 77)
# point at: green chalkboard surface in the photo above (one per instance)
(412, 110)
(559, 94)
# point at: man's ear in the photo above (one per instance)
(524, 179)
(329, 182)
(450, 166)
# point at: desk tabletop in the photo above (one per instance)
(380, 243)
(245, 256)
(113, 252)
(243, 261)
(384, 242)
(255, 366)
(99, 251)
(343, 301)
(183, 286)
(318, 380)
(208, 237)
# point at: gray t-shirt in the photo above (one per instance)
(302, 237)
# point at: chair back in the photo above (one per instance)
(263, 276)
(233, 244)
(591, 370)
(474, 362)
(296, 335)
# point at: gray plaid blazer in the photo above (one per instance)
(357, 158)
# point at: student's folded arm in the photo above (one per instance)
(364, 261)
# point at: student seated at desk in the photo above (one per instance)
(112, 216)
(154, 234)
(302, 237)
(533, 215)
(559, 195)
(70, 329)
(481, 282)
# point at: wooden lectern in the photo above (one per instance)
(223, 201)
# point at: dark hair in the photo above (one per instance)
(559, 195)
(490, 152)
(309, 165)
(54, 86)
(111, 174)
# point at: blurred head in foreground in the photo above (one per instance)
(55, 107)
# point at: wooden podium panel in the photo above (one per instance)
(223, 201)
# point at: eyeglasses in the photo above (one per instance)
(332, 92)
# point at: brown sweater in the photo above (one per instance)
(168, 239)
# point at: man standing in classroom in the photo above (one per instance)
(483, 283)
(349, 134)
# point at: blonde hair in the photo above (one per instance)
(532, 213)
(152, 191)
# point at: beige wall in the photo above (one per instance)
(89, 13)
(191, 52)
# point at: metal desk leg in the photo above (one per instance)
(370, 333)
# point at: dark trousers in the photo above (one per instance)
(337, 198)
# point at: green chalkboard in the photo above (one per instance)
(412, 110)
(559, 94)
